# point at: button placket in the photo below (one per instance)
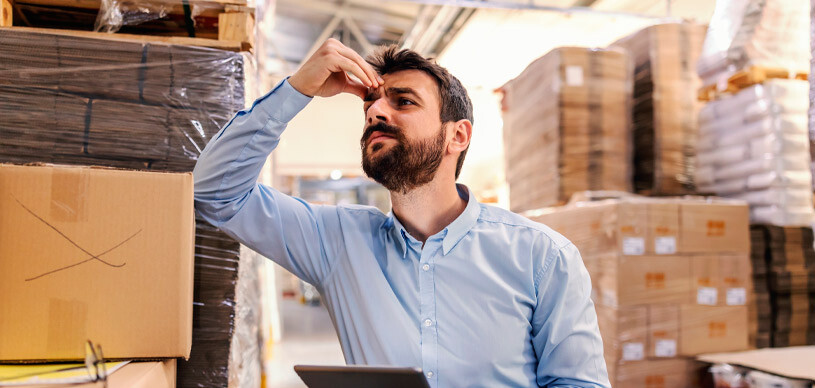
(428, 324)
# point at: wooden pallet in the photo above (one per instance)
(222, 21)
(745, 78)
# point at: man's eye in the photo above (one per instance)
(405, 101)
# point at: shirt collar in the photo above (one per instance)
(453, 233)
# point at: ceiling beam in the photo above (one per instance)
(327, 32)
(531, 5)
(358, 35)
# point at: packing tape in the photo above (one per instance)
(67, 327)
(69, 189)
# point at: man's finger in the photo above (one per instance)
(348, 65)
(355, 87)
(354, 56)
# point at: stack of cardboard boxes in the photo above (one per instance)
(665, 107)
(784, 267)
(567, 126)
(671, 279)
(139, 106)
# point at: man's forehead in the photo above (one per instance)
(416, 80)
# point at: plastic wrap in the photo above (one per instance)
(145, 106)
(567, 126)
(665, 106)
(744, 33)
(115, 14)
(729, 376)
(671, 279)
(754, 146)
(784, 274)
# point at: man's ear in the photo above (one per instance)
(462, 133)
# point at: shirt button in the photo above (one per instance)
(428, 322)
(430, 374)
(426, 267)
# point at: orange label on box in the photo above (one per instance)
(596, 225)
(704, 282)
(662, 230)
(715, 228)
(717, 329)
(655, 280)
(660, 333)
(655, 381)
(627, 229)
(732, 281)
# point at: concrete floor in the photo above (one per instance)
(308, 338)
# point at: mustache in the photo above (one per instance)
(387, 129)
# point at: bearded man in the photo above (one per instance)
(474, 295)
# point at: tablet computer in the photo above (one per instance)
(317, 376)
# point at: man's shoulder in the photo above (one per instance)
(493, 215)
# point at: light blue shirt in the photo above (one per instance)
(493, 300)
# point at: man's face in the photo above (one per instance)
(403, 142)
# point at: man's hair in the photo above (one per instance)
(455, 103)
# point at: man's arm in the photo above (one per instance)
(287, 230)
(565, 334)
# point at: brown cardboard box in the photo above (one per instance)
(152, 374)
(633, 226)
(624, 331)
(714, 226)
(705, 329)
(793, 362)
(95, 254)
(645, 280)
(669, 373)
(663, 331)
(722, 280)
(663, 227)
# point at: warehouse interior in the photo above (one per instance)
(669, 141)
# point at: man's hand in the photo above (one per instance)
(324, 74)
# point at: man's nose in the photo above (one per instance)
(378, 111)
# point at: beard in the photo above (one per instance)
(406, 165)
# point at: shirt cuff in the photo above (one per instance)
(283, 102)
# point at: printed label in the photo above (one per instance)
(633, 351)
(655, 280)
(715, 228)
(574, 76)
(665, 348)
(736, 296)
(707, 296)
(634, 246)
(665, 245)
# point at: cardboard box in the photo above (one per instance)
(645, 280)
(717, 226)
(705, 329)
(624, 331)
(793, 362)
(721, 280)
(152, 374)
(95, 254)
(670, 373)
(663, 331)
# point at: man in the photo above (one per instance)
(474, 295)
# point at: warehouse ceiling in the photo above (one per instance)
(293, 29)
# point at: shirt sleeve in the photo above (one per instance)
(565, 334)
(285, 229)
